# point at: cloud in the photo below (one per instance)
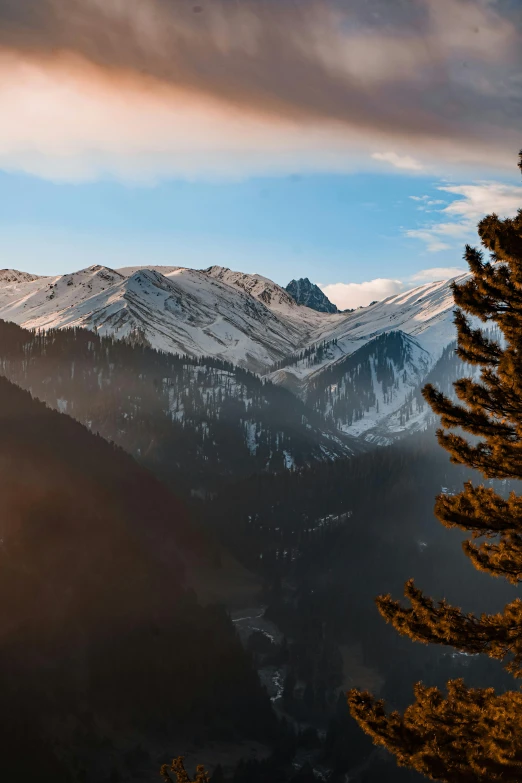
(426, 201)
(433, 243)
(148, 88)
(436, 273)
(462, 215)
(68, 121)
(399, 161)
(348, 296)
(483, 198)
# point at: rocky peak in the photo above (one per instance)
(306, 293)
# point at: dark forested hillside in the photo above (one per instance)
(330, 539)
(104, 654)
(378, 501)
(192, 421)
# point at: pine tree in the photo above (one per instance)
(471, 734)
(178, 768)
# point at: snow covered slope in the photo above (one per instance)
(361, 390)
(365, 371)
(258, 286)
(425, 313)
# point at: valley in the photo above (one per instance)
(301, 452)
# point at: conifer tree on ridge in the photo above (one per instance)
(471, 734)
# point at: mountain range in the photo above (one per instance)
(358, 371)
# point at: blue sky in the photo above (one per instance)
(355, 144)
(331, 228)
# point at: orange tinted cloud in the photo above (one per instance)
(146, 88)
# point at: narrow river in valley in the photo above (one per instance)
(247, 622)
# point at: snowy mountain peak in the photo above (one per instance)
(268, 292)
(104, 272)
(128, 271)
(69, 289)
(148, 276)
(94, 277)
(9, 276)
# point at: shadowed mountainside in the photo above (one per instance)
(102, 648)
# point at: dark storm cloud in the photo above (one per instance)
(431, 71)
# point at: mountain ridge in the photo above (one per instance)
(241, 318)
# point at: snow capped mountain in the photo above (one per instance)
(366, 368)
(425, 313)
(251, 322)
(306, 293)
(43, 302)
(8, 276)
(182, 311)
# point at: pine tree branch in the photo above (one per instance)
(498, 636)
(468, 736)
(474, 347)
